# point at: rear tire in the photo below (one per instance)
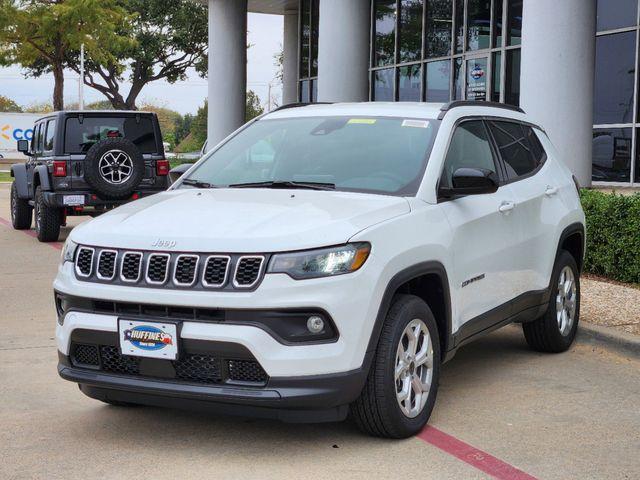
(21, 211)
(555, 331)
(47, 219)
(380, 410)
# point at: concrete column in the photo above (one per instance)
(343, 51)
(557, 76)
(290, 63)
(227, 68)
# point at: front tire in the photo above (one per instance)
(555, 331)
(401, 388)
(21, 211)
(47, 219)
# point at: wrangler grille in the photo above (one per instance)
(248, 271)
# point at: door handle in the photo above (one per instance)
(506, 207)
(550, 191)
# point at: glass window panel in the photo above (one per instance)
(314, 91)
(409, 82)
(438, 81)
(497, 23)
(478, 24)
(410, 30)
(470, 148)
(304, 91)
(496, 81)
(48, 141)
(385, 39)
(512, 81)
(438, 28)
(315, 18)
(514, 22)
(612, 155)
(459, 26)
(615, 70)
(614, 14)
(516, 151)
(477, 78)
(305, 43)
(383, 85)
(457, 79)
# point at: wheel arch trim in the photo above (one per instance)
(19, 174)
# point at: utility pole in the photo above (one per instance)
(81, 80)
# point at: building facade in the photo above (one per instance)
(570, 64)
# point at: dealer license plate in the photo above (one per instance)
(73, 200)
(148, 339)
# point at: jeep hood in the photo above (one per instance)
(239, 220)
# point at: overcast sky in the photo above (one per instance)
(265, 36)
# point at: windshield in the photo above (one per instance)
(379, 155)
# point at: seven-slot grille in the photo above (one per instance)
(248, 271)
(185, 270)
(107, 264)
(170, 270)
(157, 267)
(84, 262)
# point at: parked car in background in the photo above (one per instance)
(85, 163)
(327, 259)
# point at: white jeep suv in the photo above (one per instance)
(326, 259)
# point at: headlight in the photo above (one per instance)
(68, 251)
(321, 263)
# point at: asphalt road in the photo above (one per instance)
(501, 409)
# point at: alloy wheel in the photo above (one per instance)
(414, 368)
(115, 167)
(566, 300)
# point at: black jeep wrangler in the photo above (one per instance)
(86, 163)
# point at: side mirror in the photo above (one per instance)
(177, 172)
(471, 181)
(23, 146)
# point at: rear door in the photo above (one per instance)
(483, 229)
(534, 182)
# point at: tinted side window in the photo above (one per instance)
(519, 147)
(48, 139)
(469, 147)
(36, 138)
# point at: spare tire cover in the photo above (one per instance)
(114, 167)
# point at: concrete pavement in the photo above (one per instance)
(574, 415)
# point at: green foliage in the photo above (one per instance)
(613, 235)
(8, 105)
(39, 35)
(253, 108)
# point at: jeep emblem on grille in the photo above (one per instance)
(160, 243)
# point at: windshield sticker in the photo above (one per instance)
(416, 123)
(362, 121)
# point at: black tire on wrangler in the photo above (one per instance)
(114, 168)
(21, 211)
(378, 410)
(553, 333)
(47, 219)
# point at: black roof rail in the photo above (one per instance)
(476, 103)
(299, 104)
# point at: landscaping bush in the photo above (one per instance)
(613, 235)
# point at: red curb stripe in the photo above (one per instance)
(31, 233)
(471, 455)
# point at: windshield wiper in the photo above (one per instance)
(196, 183)
(287, 184)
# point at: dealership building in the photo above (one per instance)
(570, 64)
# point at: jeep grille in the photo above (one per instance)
(84, 262)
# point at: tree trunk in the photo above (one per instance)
(58, 87)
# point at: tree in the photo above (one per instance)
(253, 107)
(8, 105)
(171, 36)
(40, 35)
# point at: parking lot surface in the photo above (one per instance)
(502, 411)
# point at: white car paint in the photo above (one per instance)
(470, 236)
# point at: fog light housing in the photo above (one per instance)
(315, 324)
